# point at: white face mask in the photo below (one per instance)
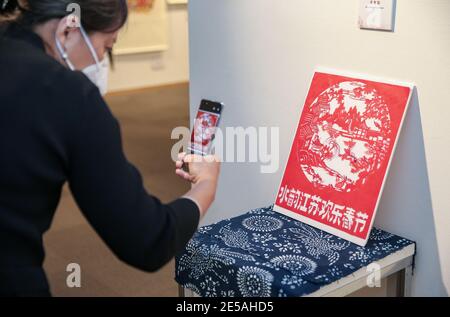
(98, 72)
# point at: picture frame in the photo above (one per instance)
(147, 28)
(175, 2)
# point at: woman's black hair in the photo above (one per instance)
(8, 7)
(96, 15)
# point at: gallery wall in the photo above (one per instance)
(257, 56)
(135, 71)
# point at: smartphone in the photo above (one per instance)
(205, 126)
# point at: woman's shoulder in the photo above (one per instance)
(24, 53)
(45, 86)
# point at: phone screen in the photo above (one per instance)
(205, 125)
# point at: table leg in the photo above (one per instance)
(181, 291)
(404, 282)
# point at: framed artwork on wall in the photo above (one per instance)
(342, 152)
(146, 30)
(377, 14)
(177, 1)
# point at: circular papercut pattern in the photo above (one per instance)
(254, 282)
(345, 136)
(262, 223)
(296, 264)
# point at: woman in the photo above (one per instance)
(55, 127)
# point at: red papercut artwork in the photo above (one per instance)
(341, 153)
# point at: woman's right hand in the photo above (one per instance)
(201, 168)
(203, 174)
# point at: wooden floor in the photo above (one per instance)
(147, 118)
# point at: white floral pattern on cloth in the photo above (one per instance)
(263, 253)
(296, 264)
(380, 235)
(254, 281)
(232, 238)
(262, 223)
(317, 242)
(202, 259)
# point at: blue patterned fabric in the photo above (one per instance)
(264, 253)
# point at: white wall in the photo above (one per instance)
(257, 56)
(159, 68)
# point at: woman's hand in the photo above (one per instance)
(201, 168)
(203, 174)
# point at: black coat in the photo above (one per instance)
(54, 128)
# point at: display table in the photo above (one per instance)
(263, 253)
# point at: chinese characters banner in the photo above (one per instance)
(341, 153)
